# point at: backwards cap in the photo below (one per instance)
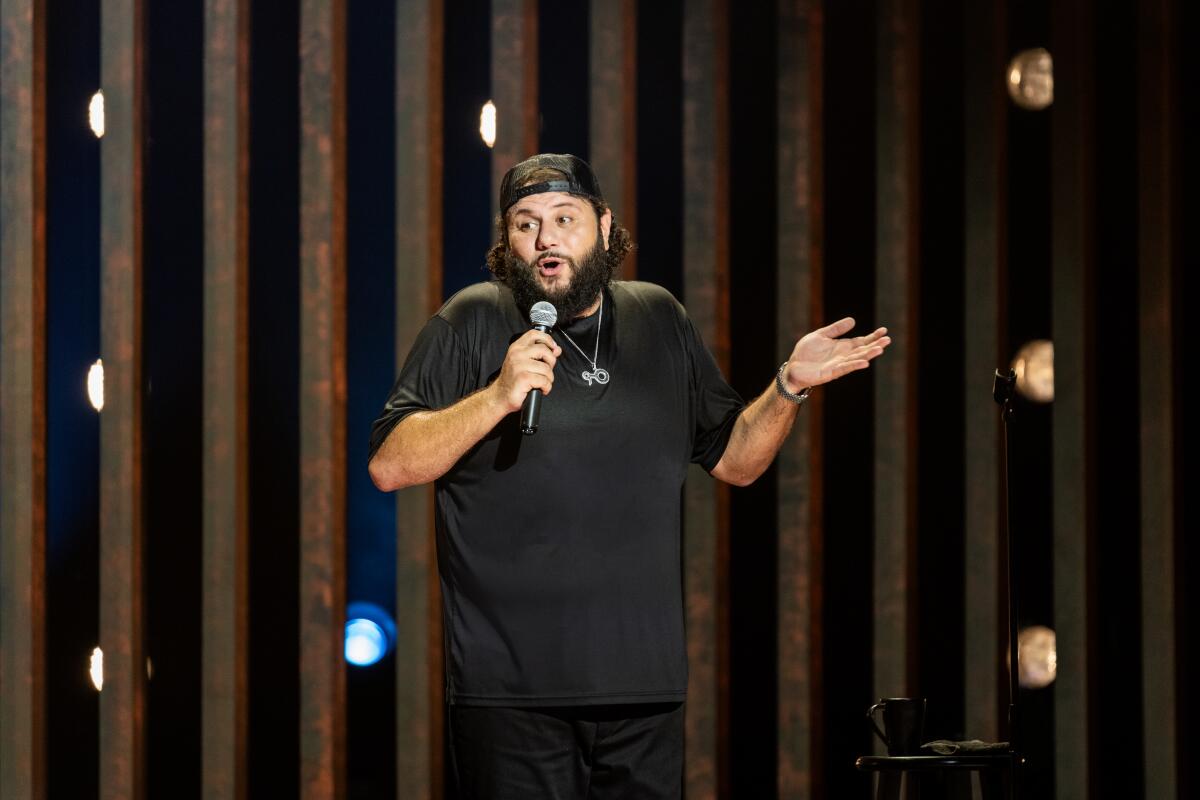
(579, 179)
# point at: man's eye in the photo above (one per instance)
(526, 226)
(564, 220)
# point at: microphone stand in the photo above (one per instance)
(1003, 387)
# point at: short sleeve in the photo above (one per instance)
(433, 377)
(715, 404)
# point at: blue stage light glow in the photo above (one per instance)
(370, 634)
(366, 642)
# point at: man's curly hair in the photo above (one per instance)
(619, 240)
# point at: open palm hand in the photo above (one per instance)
(822, 356)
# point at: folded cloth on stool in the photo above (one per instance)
(945, 747)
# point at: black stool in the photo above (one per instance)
(995, 773)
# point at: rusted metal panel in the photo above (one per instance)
(420, 696)
(23, 399)
(322, 398)
(896, 274)
(800, 192)
(705, 580)
(1073, 260)
(706, 295)
(1157, 259)
(122, 703)
(224, 705)
(613, 111)
(984, 256)
(419, 682)
(514, 85)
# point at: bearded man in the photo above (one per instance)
(559, 554)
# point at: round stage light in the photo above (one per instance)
(1031, 79)
(487, 123)
(1037, 657)
(96, 668)
(366, 643)
(1034, 365)
(95, 385)
(370, 634)
(96, 114)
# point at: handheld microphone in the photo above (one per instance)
(542, 316)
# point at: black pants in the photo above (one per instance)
(577, 753)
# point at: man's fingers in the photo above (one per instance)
(839, 328)
(548, 344)
(539, 347)
(868, 352)
(543, 355)
(861, 350)
(534, 333)
(846, 367)
(533, 338)
(877, 335)
(534, 379)
(537, 367)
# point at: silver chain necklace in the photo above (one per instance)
(597, 374)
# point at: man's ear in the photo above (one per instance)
(605, 225)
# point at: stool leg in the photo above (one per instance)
(888, 787)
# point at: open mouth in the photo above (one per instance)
(550, 266)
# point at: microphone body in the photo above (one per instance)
(543, 316)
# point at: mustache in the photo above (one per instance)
(533, 264)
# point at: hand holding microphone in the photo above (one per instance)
(542, 316)
(528, 371)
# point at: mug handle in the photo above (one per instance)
(874, 724)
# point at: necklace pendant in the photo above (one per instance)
(599, 375)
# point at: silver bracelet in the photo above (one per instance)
(798, 399)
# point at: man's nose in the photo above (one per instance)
(545, 239)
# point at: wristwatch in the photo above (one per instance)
(798, 399)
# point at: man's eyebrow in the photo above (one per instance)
(560, 204)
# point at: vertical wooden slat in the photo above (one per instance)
(419, 681)
(896, 204)
(1156, 359)
(801, 196)
(322, 398)
(122, 703)
(226, 396)
(1073, 262)
(613, 111)
(706, 295)
(984, 212)
(23, 399)
(514, 86)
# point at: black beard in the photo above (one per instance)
(588, 279)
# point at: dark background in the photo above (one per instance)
(173, 340)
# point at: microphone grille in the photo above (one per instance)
(543, 313)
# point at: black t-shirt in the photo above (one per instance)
(559, 553)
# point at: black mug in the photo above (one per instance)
(904, 723)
